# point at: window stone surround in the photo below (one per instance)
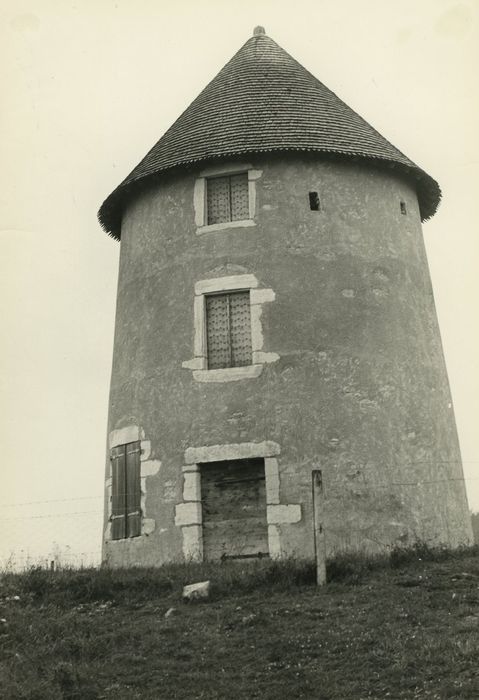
(258, 297)
(199, 197)
(188, 513)
(148, 467)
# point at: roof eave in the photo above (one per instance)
(111, 211)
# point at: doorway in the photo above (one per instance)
(233, 495)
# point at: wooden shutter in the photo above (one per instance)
(126, 491)
(239, 197)
(133, 490)
(218, 199)
(218, 334)
(118, 493)
(228, 330)
(227, 198)
(233, 495)
(240, 329)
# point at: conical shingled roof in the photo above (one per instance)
(265, 101)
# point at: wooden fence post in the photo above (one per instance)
(318, 514)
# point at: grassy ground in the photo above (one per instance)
(401, 628)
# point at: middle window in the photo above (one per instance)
(228, 330)
(227, 198)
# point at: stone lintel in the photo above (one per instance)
(241, 450)
(122, 436)
(226, 169)
(225, 284)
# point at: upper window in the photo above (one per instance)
(224, 197)
(126, 491)
(227, 198)
(228, 330)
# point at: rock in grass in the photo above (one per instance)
(196, 591)
(247, 619)
(463, 574)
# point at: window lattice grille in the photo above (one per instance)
(228, 330)
(239, 197)
(227, 198)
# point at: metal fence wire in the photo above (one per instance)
(54, 534)
(67, 533)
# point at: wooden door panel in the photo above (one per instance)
(234, 509)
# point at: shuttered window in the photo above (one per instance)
(228, 330)
(126, 492)
(227, 198)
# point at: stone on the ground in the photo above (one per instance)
(196, 591)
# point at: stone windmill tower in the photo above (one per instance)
(274, 316)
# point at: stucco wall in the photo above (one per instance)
(360, 388)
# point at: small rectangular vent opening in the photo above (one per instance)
(403, 208)
(314, 203)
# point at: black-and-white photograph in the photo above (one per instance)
(240, 384)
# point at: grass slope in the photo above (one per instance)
(401, 628)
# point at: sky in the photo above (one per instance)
(87, 88)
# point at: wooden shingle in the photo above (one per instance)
(264, 101)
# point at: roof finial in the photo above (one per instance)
(258, 31)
